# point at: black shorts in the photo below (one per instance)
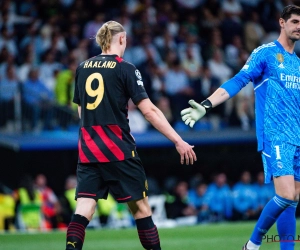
(125, 180)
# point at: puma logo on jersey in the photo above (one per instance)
(71, 243)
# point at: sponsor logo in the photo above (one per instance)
(138, 74)
(291, 81)
(72, 243)
(140, 83)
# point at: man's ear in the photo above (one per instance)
(281, 22)
(121, 39)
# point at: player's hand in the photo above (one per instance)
(193, 114)
(186, 152)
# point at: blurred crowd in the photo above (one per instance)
(35, 206)
(185, 49)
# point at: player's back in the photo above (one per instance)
(102, 92)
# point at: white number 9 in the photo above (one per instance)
(98, 92)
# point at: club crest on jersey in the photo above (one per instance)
(138, 74)
(280, 58)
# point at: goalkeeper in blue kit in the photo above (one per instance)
(274, 70)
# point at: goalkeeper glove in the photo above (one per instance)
(191, 115)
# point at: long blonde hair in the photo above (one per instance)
(106, 32)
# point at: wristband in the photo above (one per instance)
(207, 105)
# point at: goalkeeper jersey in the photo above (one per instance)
(275, 74)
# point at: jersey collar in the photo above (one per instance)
(282, 49)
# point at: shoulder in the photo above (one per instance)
(87, 60)
(125, 64)
(264, 48)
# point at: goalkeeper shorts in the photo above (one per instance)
(280, 159)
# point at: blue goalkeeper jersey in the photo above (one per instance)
(275, 74)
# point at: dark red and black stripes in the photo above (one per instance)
(148, 233)
(76, 232)
(101, 144)
(149, 238)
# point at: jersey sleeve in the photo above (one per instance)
(76, 98)
(134, 83)
(252, 70)
(255, 64)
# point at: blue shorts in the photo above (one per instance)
(279, 159)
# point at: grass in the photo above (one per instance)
(224, 236)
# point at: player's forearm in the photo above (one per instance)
(218, 97)
(159, 121)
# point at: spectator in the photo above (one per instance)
(218, 67)
(218, 199)
(73, 38)
(192, 67)
(269, 11)
(178, 88)
(38, 102)
(245, 107)
(47, 71)
(264, 192)
(190, 4)
(6, 40)
(213, 42)
(90, 30)
(196, 199)
(207, 84)
(26, 66)
(253, 32)
(191, 44)
(9, 60)
(9, 89)
(56, 45)
(146, 51)
(80, 53)
(165, 43)
(177, 203)
(244, 198)
(220, 70)
(28, 205)
(67, 200)
(233, 9)
(7, 209)
(33, 39)
(163, 103)
(50, 205)
(232, 53)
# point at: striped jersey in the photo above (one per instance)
(103, 86)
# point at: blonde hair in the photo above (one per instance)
(106, 32)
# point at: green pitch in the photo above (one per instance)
(223, 236)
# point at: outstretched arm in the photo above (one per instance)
(159, 121)
(230, 88)
(218, 97)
